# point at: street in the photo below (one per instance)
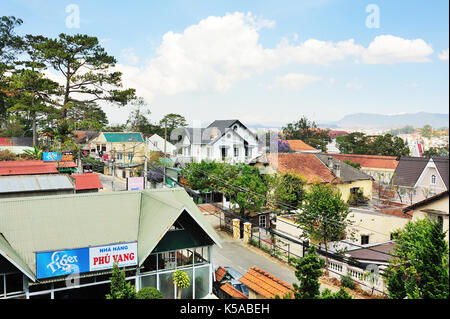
(106, 180)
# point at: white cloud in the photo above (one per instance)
(129, 56)
(296, 80)
(331, 81)
(389, 49)
(213, 54)
(443, 55)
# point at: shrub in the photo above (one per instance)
(149, 293)
(346, 281)
(7, 155)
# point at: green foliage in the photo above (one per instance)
(120, 288)
(341, 294)
(355, 165)
(324, 214)
(420, 269)
(308, 269)
(149, 293)
(359, 143)
(308, 132)
(35, 154)
(346, 281)
(288, 191)
(436, 151)
(233, 181)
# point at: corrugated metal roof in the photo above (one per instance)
(50, 223)
(34, 183)
(123, 137)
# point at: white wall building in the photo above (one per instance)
(156, 144)
(223, 140)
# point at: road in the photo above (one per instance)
(119, 185)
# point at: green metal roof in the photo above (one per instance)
(123, 137)
(57, 222)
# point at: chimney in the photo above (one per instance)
(337, 170)
(330, 162)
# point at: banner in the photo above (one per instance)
(51, 156)
(135, 183)
(81, 260)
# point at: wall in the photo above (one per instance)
(366, 186)
(377, 225)
(440, 205)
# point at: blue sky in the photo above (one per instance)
(265, 62)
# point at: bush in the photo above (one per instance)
(7, 155)
(149, 293)
(346, 281)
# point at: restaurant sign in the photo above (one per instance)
(82, 260)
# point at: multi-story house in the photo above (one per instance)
(418, 178)
(223, 140)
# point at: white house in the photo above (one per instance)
(156, 144)
(223, 140)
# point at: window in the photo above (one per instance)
(208, 152)
(236, 152)
(433, 179)
(354, 190)
(441, 222)
(364, 239)
(262, 221)
(119, 156)
(155, 143)
(130, 156)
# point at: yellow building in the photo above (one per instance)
(435, 207)
(319, 168)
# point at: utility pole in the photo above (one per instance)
(164, 166)
(112, 168)
(145, 162)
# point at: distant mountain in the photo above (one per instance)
(368, 120)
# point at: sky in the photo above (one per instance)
(263, 62)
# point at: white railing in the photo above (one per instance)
(369, 278)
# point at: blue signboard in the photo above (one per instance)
(81, 260)
(61, 263)
(51, 156)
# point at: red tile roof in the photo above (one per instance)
(300, 146)
(265, 284)
(370, 161)
(233, 292)
(307, 165)
(87, 181)
(220, 272)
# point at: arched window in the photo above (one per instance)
(433, 179)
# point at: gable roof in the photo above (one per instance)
(121, 137)
(409, 170)
(369, 161)
(314, 168)
(49, 223)
(348, 173)
(306, 165)
(379, 252)
(426, 201)
(81, 136)
(87, 181)
(266, 284)
(300, 146)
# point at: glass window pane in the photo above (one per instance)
(167, 260)
(150, 263)
(184, 258)
(14, 283)
(201, 282)
(1, 285)
(186, 293)
(148, 281)
(166, 285)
